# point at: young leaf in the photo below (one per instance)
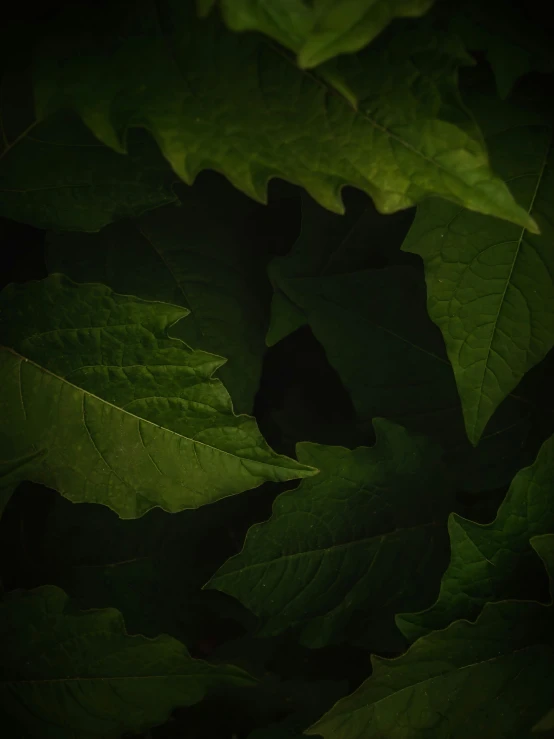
(235, 104)
(493, 561)
(319, 31)
(491, 678)
(333, 546)
(69, 673)
(55, 174)
(490, 284)
(127, 416)
(201, 256)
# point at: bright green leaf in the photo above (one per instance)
(493, 561)
(491, 284)
(201, 256)
(233, 103)
(334, 546)
(127, 416)
(316, 31)
(491, 678)
(69, 673)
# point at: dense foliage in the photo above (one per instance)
(276, 361)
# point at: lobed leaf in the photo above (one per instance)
(366, 535)
(125, 416)
(491, 284)
(494, 561)
(235, 104)
(489, 678)
(55, 174)
(202, 256)
(318, 31)
(69, 673)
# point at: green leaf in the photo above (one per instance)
(203, 256)
(493, 561)
(55, 174)
(129, 417)
(235, 104)
(333, 546)
(374, 327)
(151, 569)
(69, 673)
(491, 284)
(491, 678)
(317, 31)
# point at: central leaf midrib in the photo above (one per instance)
(509, 278)
(363, 114)
(333, 548)
(139, 418)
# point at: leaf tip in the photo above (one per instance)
(533, 226)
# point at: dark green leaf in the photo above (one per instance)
(55, 174)
(366, 535)
(491, 678)
(509, 36)
(374, 327)
(69, 673)
(493, 561)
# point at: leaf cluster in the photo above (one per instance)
(276, 355)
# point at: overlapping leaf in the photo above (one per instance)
(126, 416)
(201, 256)
(494, 561)
(366, 535)
(485, 679)
(69, 673)
(329, 244)
(233, 103)
(490, 284)
(511, 39)
(374, 327)
(55, 174)
(151, 569)
(316, 31)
